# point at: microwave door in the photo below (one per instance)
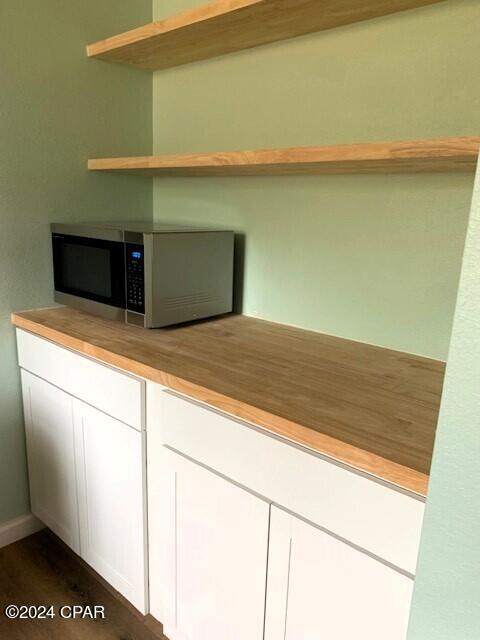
(90, 274)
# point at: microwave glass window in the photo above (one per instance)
(90, 268)
(87, 269)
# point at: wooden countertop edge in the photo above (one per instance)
(355, 457)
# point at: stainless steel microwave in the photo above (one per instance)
(144, 274)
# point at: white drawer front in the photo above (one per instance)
(117, 394)
(377, 518)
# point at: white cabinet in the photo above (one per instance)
(110, 463)
(87, 473)
(212, 531)
(51, 457)
(321, 587)
(215, 545)
(341, 568)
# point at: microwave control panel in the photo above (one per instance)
(135, 277)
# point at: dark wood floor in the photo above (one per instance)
(41, 571)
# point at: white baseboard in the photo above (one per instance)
(19, 528)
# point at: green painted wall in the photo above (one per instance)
(57, 109)
(446, 603)
(374, 258)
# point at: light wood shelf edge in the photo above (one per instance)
(350, 455)
(455, 154)
(225, 26)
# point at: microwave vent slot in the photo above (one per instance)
(177, 302)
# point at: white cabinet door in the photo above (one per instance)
(51, 460)
(215, 541)
(110, 460)
(320, 587)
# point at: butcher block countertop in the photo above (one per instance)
(369, 407)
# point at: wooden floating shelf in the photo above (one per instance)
(225, 26)
(439, 155)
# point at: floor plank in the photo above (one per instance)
(39, 570)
